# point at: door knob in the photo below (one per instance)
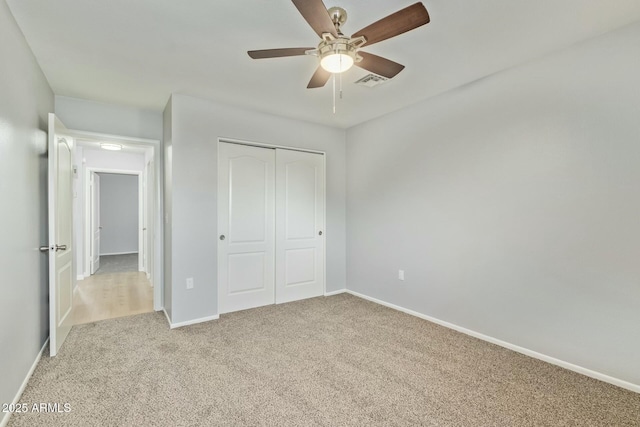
(44, 248)
(319, 233)
(222, 237)
(61, 248)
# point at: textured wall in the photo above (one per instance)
(197, 125)
(82, 114)
(512, 204)
(25, 101)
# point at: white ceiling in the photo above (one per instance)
(137, 53)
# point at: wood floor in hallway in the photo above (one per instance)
(107, 296)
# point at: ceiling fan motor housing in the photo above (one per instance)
(341, 45)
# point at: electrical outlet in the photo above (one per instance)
(190, 283)
(400, 274)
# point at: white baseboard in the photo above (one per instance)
(167, 316)
(5, 419)
(563, 364)
(189, 322)
(80, 277)
(119, 253)
(339, 291)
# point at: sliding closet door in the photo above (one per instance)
(299, 225)
(246, 244)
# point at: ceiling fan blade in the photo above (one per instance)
(315, 13)
(278, 53)
(395, 24)
(319, 78)
(379, 65)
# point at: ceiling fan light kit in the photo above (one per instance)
(337, 53)
(338, 62)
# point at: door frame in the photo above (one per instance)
(324, 219)
(89, 216)
(148, 219)
(157, 276)
(88, 207)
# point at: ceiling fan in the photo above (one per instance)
(337, 52)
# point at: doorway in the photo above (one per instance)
(68, 165)
(114, 230)
(271, 222)
(116, 208)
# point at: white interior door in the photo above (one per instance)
(61, 278)
(246, 221)
(96, 229)
(299, 225)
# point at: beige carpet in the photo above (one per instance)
(336, 361)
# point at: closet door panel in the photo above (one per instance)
(299, 225)
(246, 224)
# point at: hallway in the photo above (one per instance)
(118, 263)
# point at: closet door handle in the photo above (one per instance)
(320, 233)
(222, 237)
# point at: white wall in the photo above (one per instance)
(118, 214)
(512, 204)
(196, 126)
(84, 158)
(25, 101)
(105, 159)
(82, 114)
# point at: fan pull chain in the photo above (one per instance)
(341, 77)
(334, 93)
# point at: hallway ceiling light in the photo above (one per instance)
(112, 147)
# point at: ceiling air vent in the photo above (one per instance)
(371, 80)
